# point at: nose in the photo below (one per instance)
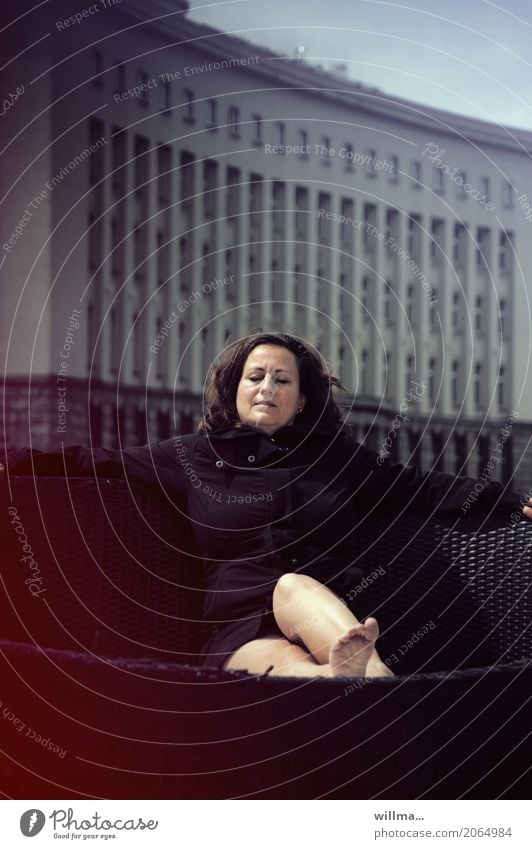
(267, 387)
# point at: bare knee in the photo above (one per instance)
(290, 585)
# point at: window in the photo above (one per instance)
(455, 311)
(387, 302)
(477, 385)
(437, 229)
(410, 293)
(505, 251)
(142, 82)
(279, 133)
(507, 194)
(432, 379)
(95, 242)
(454, 382)
(120, 79)
(483, 244)
(346, 229)
(256, 128)
(503, 317)
(138, 347)
(370, 230)
(437, 180)
(97, 160)
(485, 189)
(163, 267)
(97, 69)
(114, 330)
(409, 371)
(459, 244)
(415, 173)
(189, 106)
(210, 169)
(117, 246)
(365, 299)
(414, 236)
(141, 161)
(212, 113)
(461, 180)
(385, 369)
(479, 317)
(302, 141)
(165, 96)
(301, 212)
(324, 224)
(325, 146)
(255, 198)
(364, 360)
(233, 189)
(393, 173)
(392, 228)
(278, 204)
(233, 119)
(371, 156)
(186, 188)
(348, 154)
(500, 387)
(433, 312)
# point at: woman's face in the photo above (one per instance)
(268, 396)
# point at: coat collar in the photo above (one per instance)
(297, 429)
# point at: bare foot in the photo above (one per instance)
(350, 654)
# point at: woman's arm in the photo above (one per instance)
(155, 464)
(394, 487)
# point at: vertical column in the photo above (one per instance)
(377, 283)
(312, 283)
(147, 303)
(422, 320)
(266, 255)
(218, 295)
(193, 316)
(490, 317)
(334, 331)
(173, 283)
(401, 339)
(446, 339)
(468, 364)
(290, 257)
(242, 240)
(352, 334)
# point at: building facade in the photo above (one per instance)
(170, 188)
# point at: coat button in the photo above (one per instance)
(294, 561)
(219, 464)
(251, 458)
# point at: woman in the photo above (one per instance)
(269, 483)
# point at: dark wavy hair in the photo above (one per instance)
(316, 383)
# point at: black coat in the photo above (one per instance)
(261, 506)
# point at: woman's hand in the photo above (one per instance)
(527, 509)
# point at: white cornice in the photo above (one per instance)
(284, 72)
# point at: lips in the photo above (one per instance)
(264, 404)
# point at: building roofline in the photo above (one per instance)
(323, 84)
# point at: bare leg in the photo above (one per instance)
(323, 637)
(311, 615)
(286, 658)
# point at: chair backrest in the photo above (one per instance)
(118, 569)
(115, 571)
(448, 592)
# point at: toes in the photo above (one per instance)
(371, 629)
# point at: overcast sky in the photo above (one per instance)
(468, 56)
